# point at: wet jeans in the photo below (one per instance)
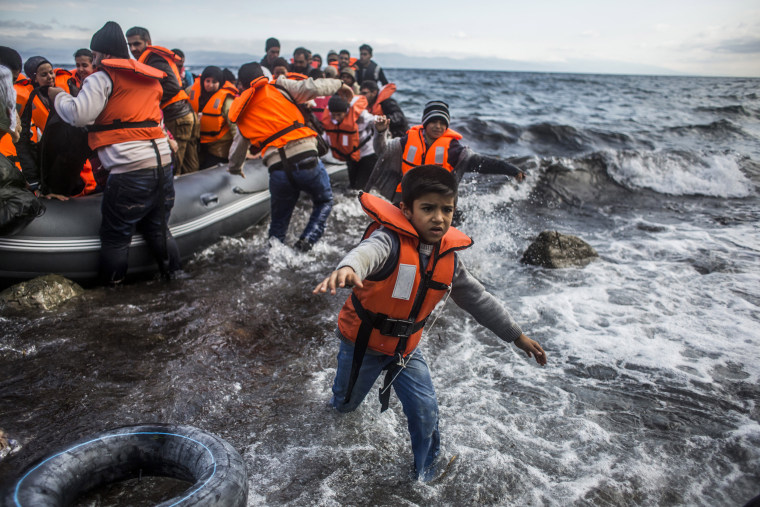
(414, 388)
(315, 182)
(132, 201)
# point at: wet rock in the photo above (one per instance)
(45, 292)
(553, 249)
(7, 445)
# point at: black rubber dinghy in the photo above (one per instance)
(213, 467)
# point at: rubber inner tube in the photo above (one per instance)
(213, 467)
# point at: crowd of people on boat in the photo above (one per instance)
(147, 120)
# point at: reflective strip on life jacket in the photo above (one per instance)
(213, 124)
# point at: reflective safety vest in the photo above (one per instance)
(267, 118)
(132, 112)
(172, 60)
(213, 124)
(416, 152)
(382, 94)
(344, 137)
(388, 313)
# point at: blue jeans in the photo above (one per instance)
(137, 200)
(316, 183)
(414, 389)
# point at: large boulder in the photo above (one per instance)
(553, 249)
(45, 292)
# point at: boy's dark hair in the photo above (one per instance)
(83, 52)
(178, 52)
(281, 62)
(344, 52)
(426, 179)
(370, 84)
(10, 58)
(367, 48)
(139, 31)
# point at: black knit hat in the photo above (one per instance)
(248, 72)
(110, 40)
(272, 43)
(31, 66)
(337, 104)
(436, 110)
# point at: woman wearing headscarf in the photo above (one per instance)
(211, 97)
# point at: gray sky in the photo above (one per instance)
(695, 37)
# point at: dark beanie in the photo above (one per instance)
(31, 66)
(272, 43)
(110, 40)
(248, 72)
(212, 71)
(10, 58)
(337, 104)
(436, 110)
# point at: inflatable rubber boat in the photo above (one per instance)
(208, 204)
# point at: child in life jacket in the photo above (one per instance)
(211, 97)
(348, 130)
(432, 142)
(406, 263)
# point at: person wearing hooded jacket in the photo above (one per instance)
(432, 142)
(211, 97)
(120, 106)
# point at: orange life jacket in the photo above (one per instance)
(344, 137)
(172, 60)
(62, 77)
(382, 94)
(267, 118)
(8, 149)
(296, 76)
(399, 304)
(132, 112)
(416, 152)
(213, 124)
(88, 178)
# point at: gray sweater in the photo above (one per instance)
(467, 292)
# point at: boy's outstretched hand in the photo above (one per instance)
(531, 347)
(343, 277)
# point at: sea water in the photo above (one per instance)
(650, 395)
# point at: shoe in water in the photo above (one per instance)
(303, 245)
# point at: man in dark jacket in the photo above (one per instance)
(179, 117)
(367, 69)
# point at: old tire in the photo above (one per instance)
(213, 466)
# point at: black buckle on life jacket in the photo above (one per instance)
(399, 328)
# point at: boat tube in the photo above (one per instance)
(208, 204)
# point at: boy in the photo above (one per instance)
(400, 271)
(432, 142)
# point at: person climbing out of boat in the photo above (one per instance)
(269, 120)
(367, 69)
(211, 97)
(406, 263)
(348, 129)
(187, 77)
(380, 103)
(272, 52)
(432, 142)
(120, 106)
(83, 60)
(179, 117)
